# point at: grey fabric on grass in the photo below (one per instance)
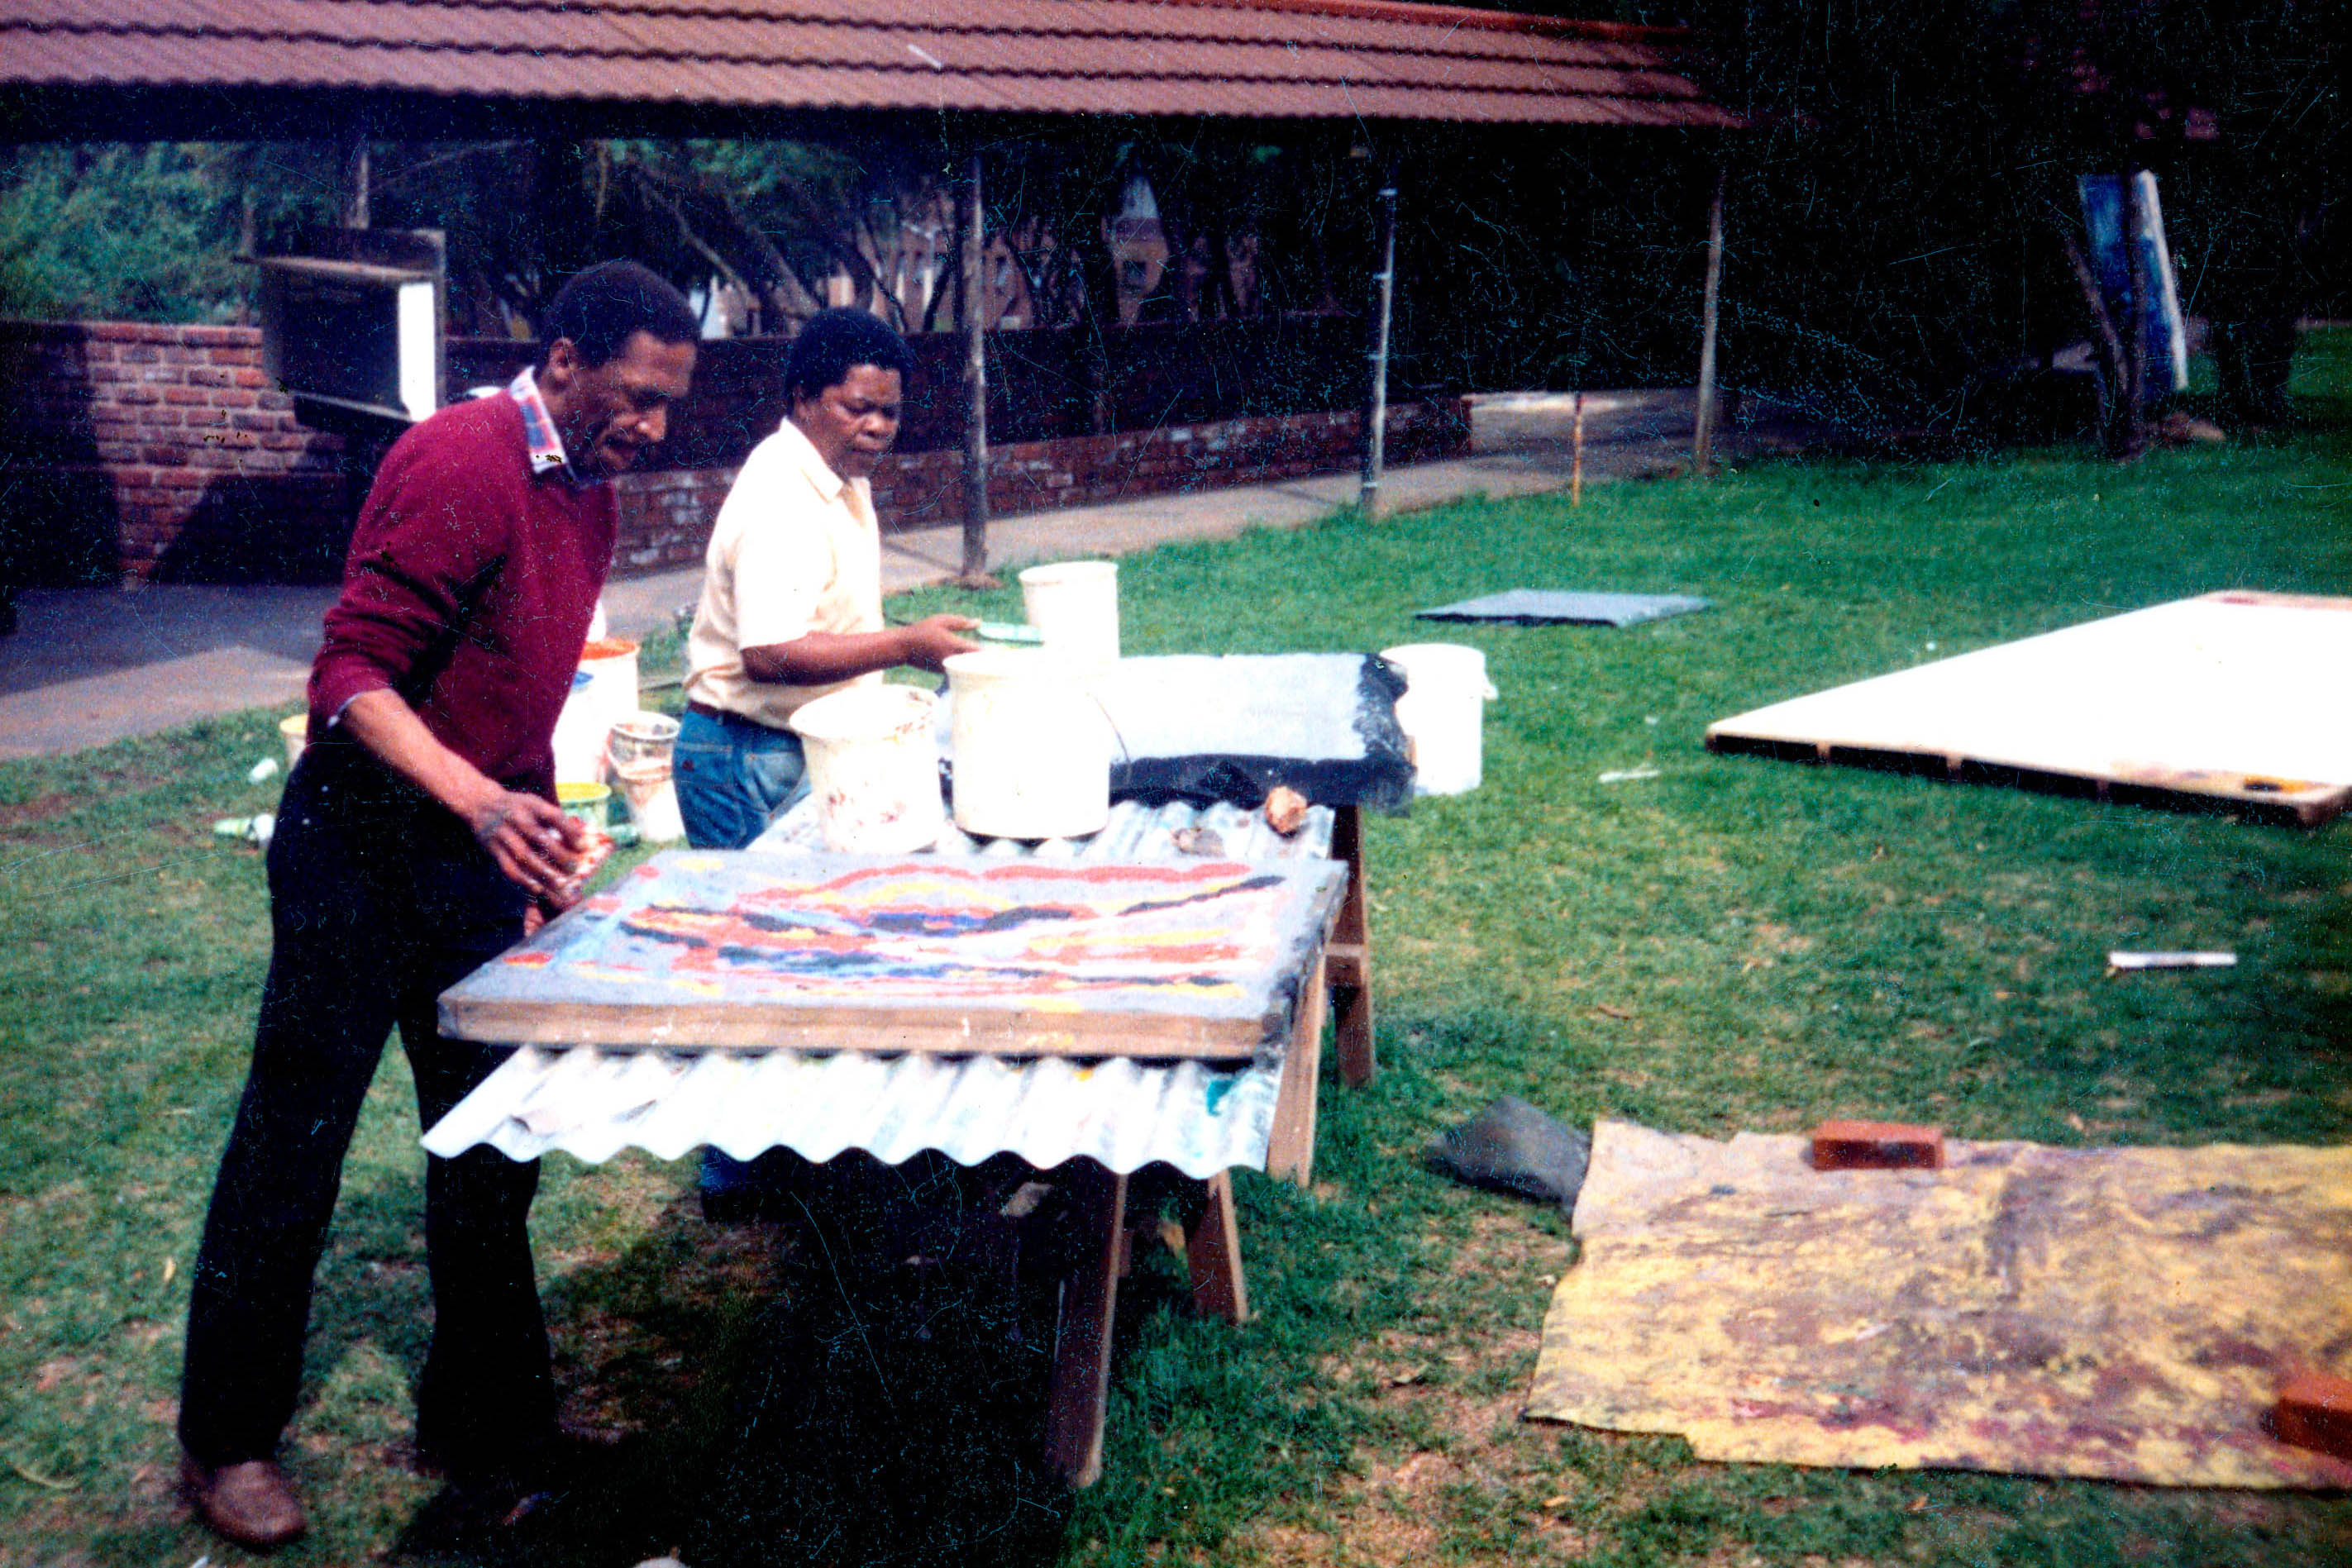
(1544, 606)
(1510, 1146)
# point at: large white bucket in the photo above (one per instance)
(874, 768)
(1075, 604)
(1444, 712)
(1031, 748)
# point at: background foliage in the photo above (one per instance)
(1894, 207)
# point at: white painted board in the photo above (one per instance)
(2234, 696)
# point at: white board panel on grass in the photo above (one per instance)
(2236, 696)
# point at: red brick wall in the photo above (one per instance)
(132, 451)
(145, 451)
(665, 517)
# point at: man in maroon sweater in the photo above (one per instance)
(419, 837)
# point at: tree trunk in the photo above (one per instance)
(356, 178)
(1703, 435)
(972, 307)
(2130, 437)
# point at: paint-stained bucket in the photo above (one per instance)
(1033, 748)
(295, 732)
(1075, 604)
(874, 768)
(639, 757)
(587, 804)
(1443, 712)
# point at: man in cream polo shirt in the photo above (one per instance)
(792, 590)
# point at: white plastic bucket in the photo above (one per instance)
(609, 695)
(1444, 713)
(579, 739)
(1031, 748)
(1075, 604)
(612, 666)
(873, 769)
(638, 754)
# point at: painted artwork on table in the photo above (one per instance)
(919, 952)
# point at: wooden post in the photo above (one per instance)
(355, 177)
(1575, 456)
(1703, 438)
(1376, 393)
(974, 302)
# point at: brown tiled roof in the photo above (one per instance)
(1334, 59)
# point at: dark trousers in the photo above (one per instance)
(379, 901)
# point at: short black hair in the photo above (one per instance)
(832, 343)
(601, 308)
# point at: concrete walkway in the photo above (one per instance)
(88, 666)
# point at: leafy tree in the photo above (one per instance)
(144, 231)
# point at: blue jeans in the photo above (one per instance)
(732, 776)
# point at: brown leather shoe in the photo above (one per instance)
(252, 1504)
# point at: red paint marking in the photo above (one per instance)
(531, 960)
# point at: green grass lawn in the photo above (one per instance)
(1736, 943)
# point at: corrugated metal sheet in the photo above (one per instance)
(1273, 59)
(592, 1103)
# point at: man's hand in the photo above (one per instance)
(535, 843)
(931, 641)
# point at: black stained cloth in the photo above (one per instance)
(1230, 728)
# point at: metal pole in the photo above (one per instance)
(975, 381)
(1703, 438)
(1376, 398)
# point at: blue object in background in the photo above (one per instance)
(2162, 328)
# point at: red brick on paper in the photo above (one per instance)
(1877, 1146)
(2315, 1411)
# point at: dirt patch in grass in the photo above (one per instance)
(40, 808)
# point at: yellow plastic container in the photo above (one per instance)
(588, 804)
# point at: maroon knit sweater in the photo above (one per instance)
(468, 590)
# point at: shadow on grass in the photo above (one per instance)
(859, 1378)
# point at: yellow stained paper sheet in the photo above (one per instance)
(2122, 1313)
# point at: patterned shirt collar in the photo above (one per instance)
(547, 454)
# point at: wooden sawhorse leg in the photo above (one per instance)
(1081, 1378)
(1348, 957)
(1291, 1149)
(1213, 1252)
(1079, 1392)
